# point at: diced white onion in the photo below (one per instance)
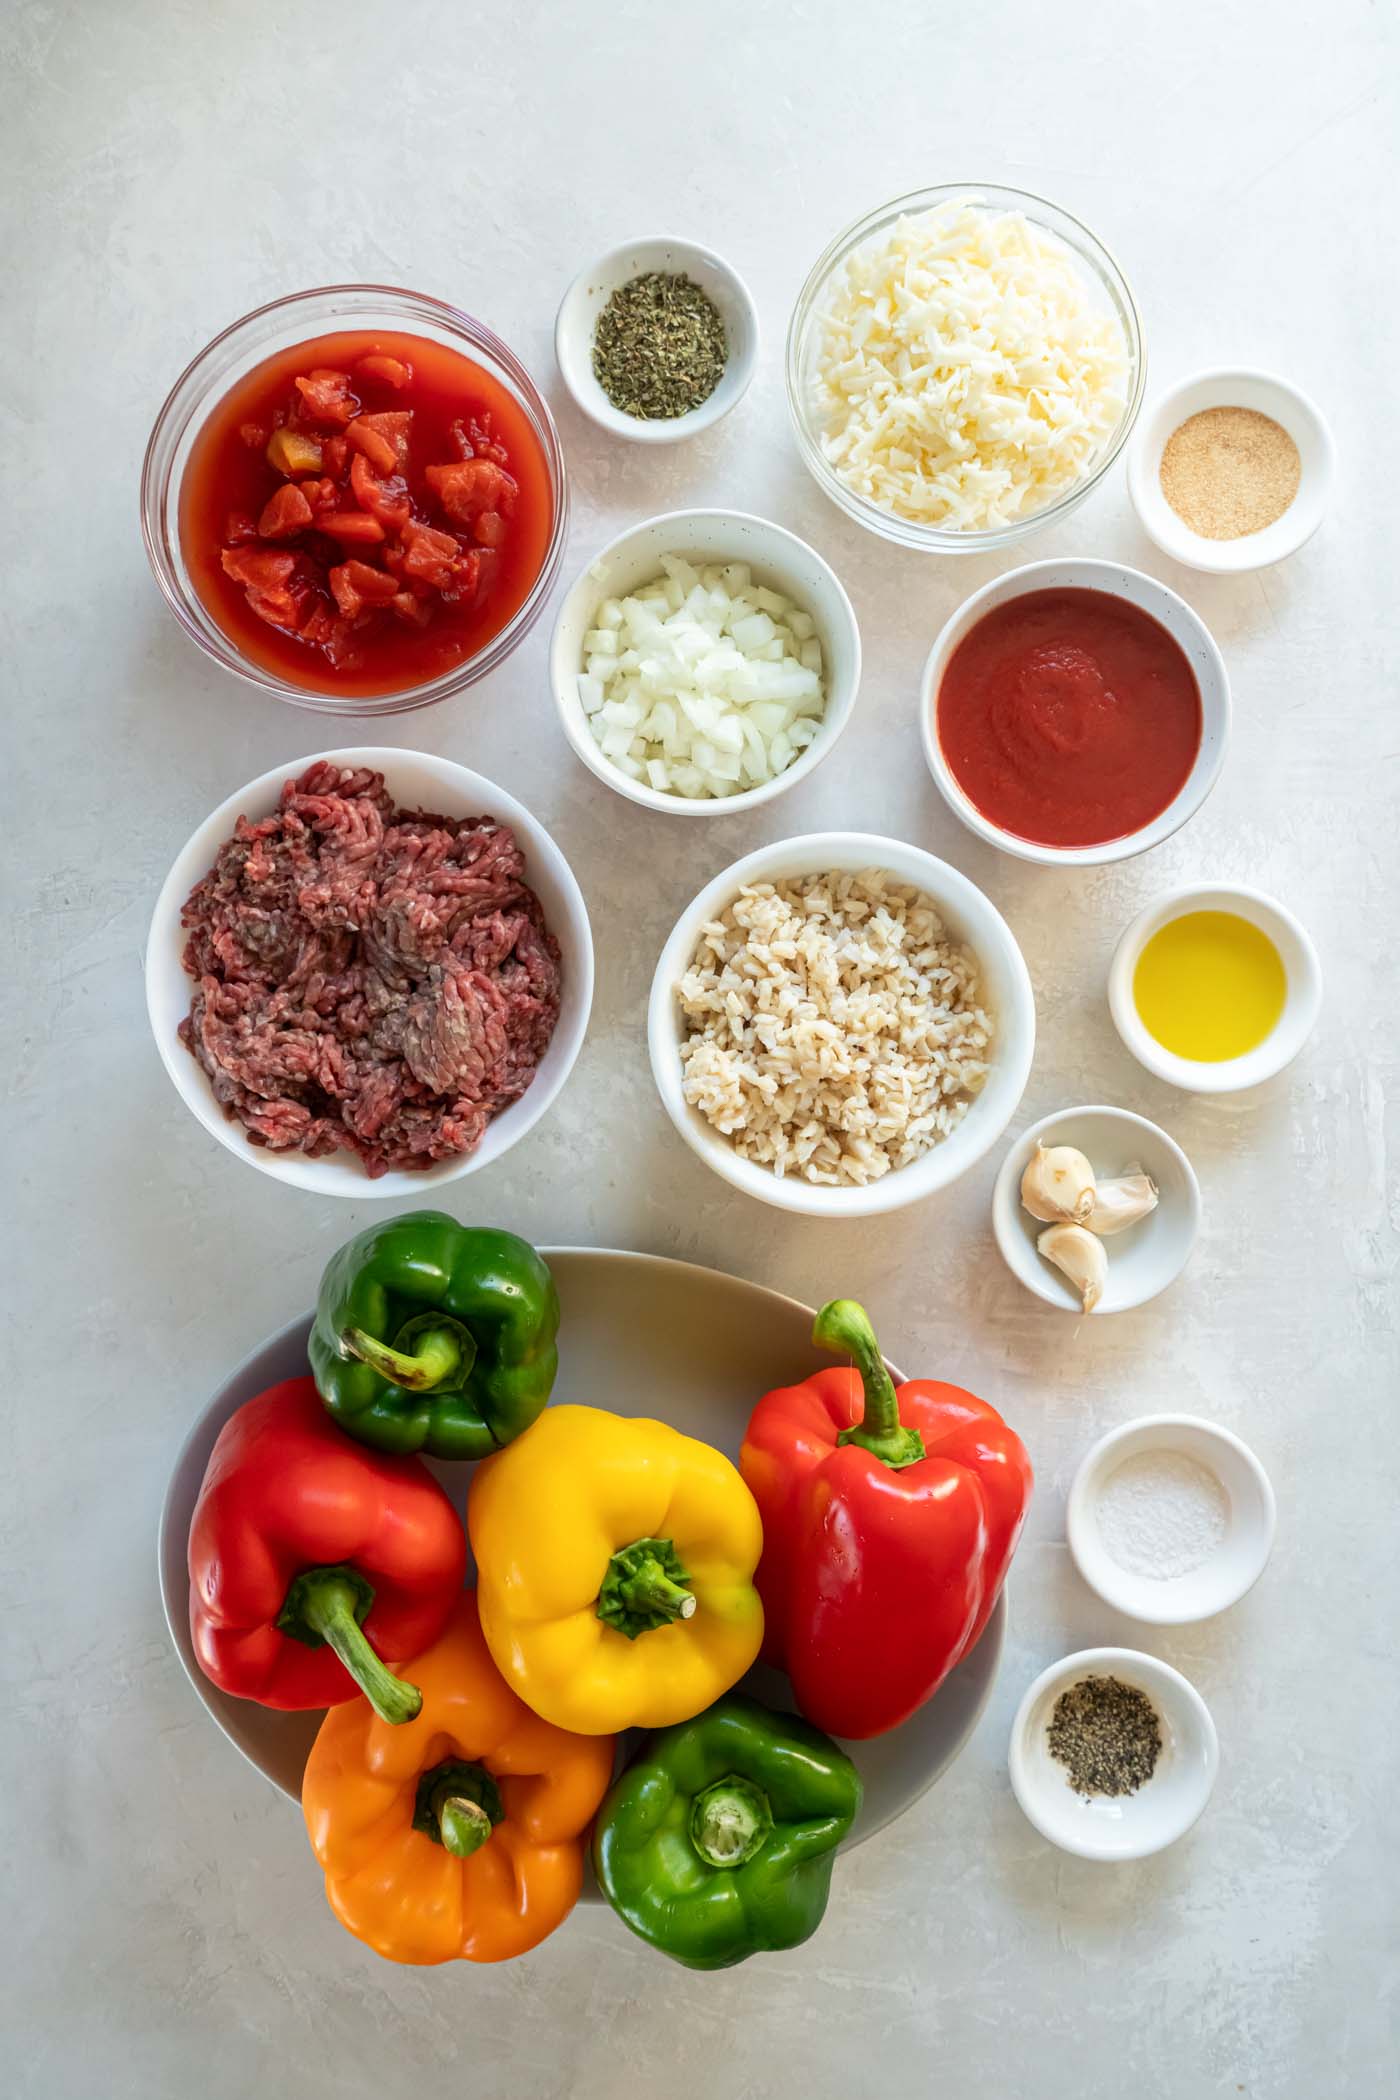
(702, 682)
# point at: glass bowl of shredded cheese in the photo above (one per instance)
(963, 366)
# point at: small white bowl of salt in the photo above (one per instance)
(1170, 1519)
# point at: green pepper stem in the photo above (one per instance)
(463, 1825)
(730, 1821)
(844, 1326)
(323, 1601)
(442, 1352)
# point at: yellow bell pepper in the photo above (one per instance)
(615, 1562)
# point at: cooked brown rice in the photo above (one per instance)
(833, 1028)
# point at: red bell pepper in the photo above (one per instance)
(889, 1522)
(312, 1558)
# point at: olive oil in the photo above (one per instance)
(1209, 986)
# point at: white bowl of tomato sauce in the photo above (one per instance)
(355, 498)
(1075, 712)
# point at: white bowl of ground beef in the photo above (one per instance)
(447, 1050)
(830, 1080)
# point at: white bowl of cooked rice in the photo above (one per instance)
(841, 1024)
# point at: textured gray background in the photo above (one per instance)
(168, 166)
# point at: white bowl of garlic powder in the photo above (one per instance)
(1170, 1519)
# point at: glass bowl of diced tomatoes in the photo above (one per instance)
(355, 498)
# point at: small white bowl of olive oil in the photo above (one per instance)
(1215, 987)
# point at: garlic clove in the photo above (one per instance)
(1078, 1255)
(1121, 1203)
(1058, 1185)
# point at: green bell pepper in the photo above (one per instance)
(436, 1337)
(718, 1842)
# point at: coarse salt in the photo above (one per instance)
(1162, 1514)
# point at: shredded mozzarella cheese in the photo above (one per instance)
(968, 371)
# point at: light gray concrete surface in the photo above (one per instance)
(167, 166)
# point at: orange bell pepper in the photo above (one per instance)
(458, 1835)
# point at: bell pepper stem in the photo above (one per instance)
(429, 1351)
(644, 1587)
(730, 1821)
(463, 1825)
(651, 1589)
(457, 1804)
(327, 1604)
(844, 1326)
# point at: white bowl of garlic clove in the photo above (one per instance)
(1096, 1210)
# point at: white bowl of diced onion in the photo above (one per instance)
(704, 662)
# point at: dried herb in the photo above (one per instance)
(659, 349)
(1107, 1736)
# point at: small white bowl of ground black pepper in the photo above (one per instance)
(657, 340)
(1231, 471)
(1113, 1754)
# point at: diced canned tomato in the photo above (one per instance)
(278, 588)
(373, 444)
(372, 584)
(430, 556)
(385, 500)
(354, 527)
(364, 512)
(355, 586)
(467, 488)
(414, 612)
(284, 514)
(326, 396)
(389, 371)
(395, 425)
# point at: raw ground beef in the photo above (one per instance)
(368, 977)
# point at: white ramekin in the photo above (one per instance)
(1145, 1259)
(1221, 1580)
(1302, 999)
(1130, 1826)
(589, 294)
(1238, 388)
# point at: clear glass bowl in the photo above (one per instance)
(804, 331)
(260, 335)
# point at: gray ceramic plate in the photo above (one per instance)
(643, 1336)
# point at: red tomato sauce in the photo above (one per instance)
(364, 512)
(1069, 718)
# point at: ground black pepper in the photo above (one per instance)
(1107, 1736)
(659, 348)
